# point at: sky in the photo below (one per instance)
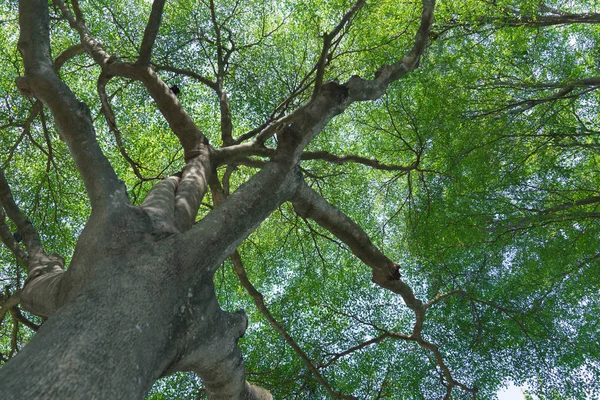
(512, 392)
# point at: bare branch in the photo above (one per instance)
(31, 238)
(547, 20)
(310, 204)
(186, 72)
(350, 158)
(67, 54)
(352, 349)
(150, 32)
(112, 124)
(72, 116)
(566, 206)
(327, 41)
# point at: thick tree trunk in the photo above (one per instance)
(128, 314)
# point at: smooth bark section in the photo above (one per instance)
(190, 191)
(115, 352)
(159, 204)
(72, 117)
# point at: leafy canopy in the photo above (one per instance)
(496, 206)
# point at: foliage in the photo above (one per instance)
(502, 204)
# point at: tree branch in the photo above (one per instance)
(72, 117)
(197, 151)
(112, 124)
(327, 41)
(31, 238)
(361, 89)
(150, 32)
(351, 158)
(309, 204)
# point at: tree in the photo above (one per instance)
(403, 196)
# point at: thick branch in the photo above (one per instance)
(150, 32)
(309, 204)
(550, 20)
(351, 158)
(200, 78)
(225, 227)
(67, 54)
(191, 138)
(72, 117)
(566, 206)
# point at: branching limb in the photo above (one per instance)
(72, 117)
(197, 151)
(352, 349)
(327, 41)
(361, 89)
(191, 190)
(200, 78)
(191, 138)
(569, 205)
